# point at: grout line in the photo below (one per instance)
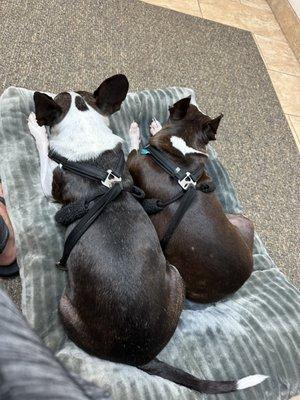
(238, 26)
(266, 64)
(283, 73)
(200, 9)
(291, 126)
(276, 40)
(279, 41)
(267, 9)
(293, 115)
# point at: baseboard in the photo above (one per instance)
(289, 23)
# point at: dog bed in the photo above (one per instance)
(254, 331)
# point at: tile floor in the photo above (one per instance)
(256, 17)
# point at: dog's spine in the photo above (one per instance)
(163, 370)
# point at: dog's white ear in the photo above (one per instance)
(46, 109)
(210, 127)
(179, 109)
(111, 93)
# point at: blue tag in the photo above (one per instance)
(144, 151)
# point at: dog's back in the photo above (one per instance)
(212, 254)
(122, 301)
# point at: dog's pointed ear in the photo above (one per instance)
(111, 93)
(46, 109)
(210, 127)
(179, 109)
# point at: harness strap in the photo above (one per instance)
(87, 171)
(99, 204)
(111, 187)
(71, 212)
(170, 167)
(185, 203)
(153, 206)
(188, 182)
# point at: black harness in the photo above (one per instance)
(188, 183)
(90, 209)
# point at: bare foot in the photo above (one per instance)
(135, 138)
(155, 127)
(9, 253)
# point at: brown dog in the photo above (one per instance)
(212, 251)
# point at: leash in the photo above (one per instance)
(188, 183)
(111, 187)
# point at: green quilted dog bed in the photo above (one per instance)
(254, 331)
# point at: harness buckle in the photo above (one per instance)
(187, 181)
(61, 266)
(111, 179)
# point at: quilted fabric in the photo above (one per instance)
(254, 331)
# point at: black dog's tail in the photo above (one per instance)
(159, 368)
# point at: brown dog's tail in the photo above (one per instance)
(159, 368)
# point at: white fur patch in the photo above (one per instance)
(249, 381)
(82, 135)
(47, 166)
(135, 138)
(180, 145)
(155, 126)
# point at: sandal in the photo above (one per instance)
(6, 271)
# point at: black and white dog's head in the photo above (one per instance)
(78, 120)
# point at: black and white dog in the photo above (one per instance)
(123, 300)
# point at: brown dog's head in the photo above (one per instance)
(189, 124)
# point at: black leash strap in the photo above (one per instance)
(184, 205)
(99, 204)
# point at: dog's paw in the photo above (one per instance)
(32, 122)
(134, 134)
(155, 127)
(35, 129)
(39, 133)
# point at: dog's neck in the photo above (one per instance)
(177, 147)
(70, 187)
(82, 135)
